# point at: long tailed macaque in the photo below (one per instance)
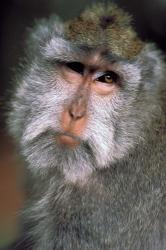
(88, 116)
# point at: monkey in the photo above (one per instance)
(88, 118)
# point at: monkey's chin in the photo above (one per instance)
(68, 141)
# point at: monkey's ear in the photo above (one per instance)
(151, 61)
(42, 32)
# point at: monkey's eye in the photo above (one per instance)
(108, 77)
(76, 66)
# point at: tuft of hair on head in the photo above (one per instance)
(108, 25)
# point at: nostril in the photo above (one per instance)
(76, 112)
(71, 113)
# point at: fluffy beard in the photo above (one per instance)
(44, 153)
(100, 146)
(106, 139)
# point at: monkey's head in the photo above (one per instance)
(88, 92)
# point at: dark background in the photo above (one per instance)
(15, 17)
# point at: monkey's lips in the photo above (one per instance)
(68, 140)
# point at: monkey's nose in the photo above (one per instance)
(77, 111)
(74, 119)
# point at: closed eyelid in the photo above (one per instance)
(76, 66)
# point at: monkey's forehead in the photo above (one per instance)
(105, 25)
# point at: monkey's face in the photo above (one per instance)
(79, 105)
(88, 79)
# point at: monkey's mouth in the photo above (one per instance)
(68, 139)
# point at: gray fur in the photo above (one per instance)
(109, 192)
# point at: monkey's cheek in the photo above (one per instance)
(68, 141)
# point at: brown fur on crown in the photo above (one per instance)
(105, 25)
